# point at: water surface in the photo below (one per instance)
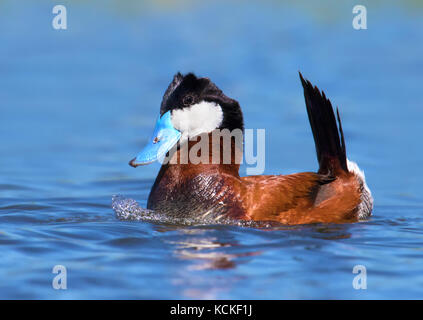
(77, 104)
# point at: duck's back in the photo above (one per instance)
(303, 198)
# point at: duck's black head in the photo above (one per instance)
(191, 106)
(194, 101)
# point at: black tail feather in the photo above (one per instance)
(330, 148)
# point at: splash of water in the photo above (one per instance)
(129, 209)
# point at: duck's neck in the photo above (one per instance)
(198, 177)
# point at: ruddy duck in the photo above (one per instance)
(193, 106)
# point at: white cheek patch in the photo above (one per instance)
(196, 119)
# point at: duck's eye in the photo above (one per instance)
(188, 100)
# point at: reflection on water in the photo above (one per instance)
(77, 104)
(198, 251)
(203, 252)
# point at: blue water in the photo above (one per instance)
(76, 105)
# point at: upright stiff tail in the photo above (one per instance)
(329, 141)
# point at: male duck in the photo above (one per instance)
(194, 106)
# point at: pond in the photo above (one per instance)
(78, 104)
